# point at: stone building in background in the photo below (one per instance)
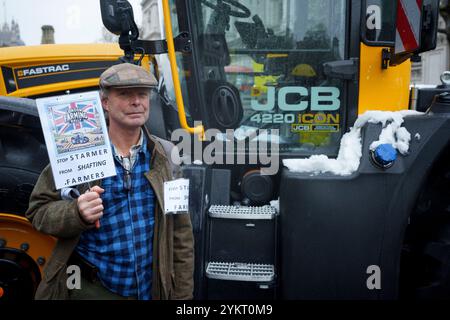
(48, 34)
(10, 35)
(151, 29)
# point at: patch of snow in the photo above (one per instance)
(393, 133)
(346, 163)
(403, 140)
(275, 204)
(418, 136)
(384, 116)
(350, 151)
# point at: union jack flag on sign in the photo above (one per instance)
(75, 116)
(74, 128)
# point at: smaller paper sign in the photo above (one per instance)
(176, 196)
(77, 139)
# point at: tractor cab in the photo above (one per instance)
(280, 50)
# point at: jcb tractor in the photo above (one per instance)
(287, 79)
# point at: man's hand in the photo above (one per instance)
(90, 205)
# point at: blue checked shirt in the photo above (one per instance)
(122, 248)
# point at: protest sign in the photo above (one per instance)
(77, 139)
(176, 196)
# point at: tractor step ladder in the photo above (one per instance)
(242, 252)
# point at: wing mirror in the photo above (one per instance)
(416, 31)
(118, 17)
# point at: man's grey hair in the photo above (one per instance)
(104, 92)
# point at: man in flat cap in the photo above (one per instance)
(116, 231)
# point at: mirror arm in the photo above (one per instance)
(342, 69)
(385, 58)
(391, 59)
(182, 44)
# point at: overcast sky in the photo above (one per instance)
(75, 21)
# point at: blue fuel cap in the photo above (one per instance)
(384, 155)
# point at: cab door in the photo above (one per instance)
(283, 65)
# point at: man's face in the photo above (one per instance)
(127, 107)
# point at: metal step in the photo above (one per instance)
(237, 271)
(238, 212)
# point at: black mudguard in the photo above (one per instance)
(332, 228)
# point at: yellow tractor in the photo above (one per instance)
(295, 83)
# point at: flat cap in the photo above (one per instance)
(127, 75)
